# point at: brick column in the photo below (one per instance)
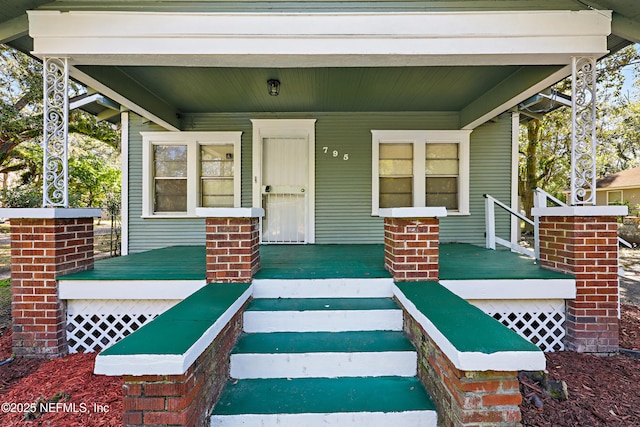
(411, 243)
(45, 244)
(233, 243)
(583, 241)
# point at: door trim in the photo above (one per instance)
(273, 128)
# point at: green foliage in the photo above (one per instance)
(5, 283)
(22, 196)
(93, 145)
(545, 145)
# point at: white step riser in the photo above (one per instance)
(323, 321)
(346, 419)
(323, 288)
(325, 365)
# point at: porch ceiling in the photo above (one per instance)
(194, 90)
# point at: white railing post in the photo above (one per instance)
(490, 222)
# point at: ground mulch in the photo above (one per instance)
(66, 386)
(602, 391)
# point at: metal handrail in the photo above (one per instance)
(490, 223)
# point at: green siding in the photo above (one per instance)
(146, 234)
(490, 173)
(343, 187)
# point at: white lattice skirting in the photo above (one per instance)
(93, 325)
(539, 321)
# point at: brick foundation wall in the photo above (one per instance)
(182, 400)
(586, 247)
(42, 250)
(233, 249)
(464, 398)
(411, 248)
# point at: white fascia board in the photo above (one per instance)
(50, 213)
(128, 289)
(512, 289)
(581, 211)
(320, 39)
(168, 364)
(473, 361)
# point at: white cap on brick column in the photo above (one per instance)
(50, 213)
(581, 211)
(421, 212)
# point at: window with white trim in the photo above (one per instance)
(420, 168)
(185, 170)
(614, 197)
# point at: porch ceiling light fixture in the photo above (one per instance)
(273, 87)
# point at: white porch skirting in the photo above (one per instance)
(93, 325)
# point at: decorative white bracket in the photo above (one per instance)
(583, 132)
(56, 129)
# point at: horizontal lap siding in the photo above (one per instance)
(343, 187)
(146, 234)
(490, 173)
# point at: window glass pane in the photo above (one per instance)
(396, 167)
(217, 193)
(396, 151)
(441, 167)
(395, 200)
(449, 201)
(442, 151)
(614, 197)
(442, 192)
(396, 192)
(170, 160)
(170, 195)
(217, 201)
(216, 160)
(395, 170)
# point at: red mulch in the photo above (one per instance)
(603, 391)
(25, 381)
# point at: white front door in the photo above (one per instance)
(283, 179)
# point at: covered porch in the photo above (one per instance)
(121, 294)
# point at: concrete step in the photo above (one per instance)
(323, 354)
(370, 402)
(322, 314)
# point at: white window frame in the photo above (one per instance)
(419, 139)
(193, 141)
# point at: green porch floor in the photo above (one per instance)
(457, 262)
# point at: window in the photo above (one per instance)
(614, 197)
(185, 170)
(421, 168)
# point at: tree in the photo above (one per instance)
(91, 175)
(545, 143)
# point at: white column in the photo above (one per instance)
(583, 132)
(56, 129)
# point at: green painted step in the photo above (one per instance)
(323, 395)
(321, 304)
(316, 342)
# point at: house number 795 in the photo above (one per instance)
(335, 153)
